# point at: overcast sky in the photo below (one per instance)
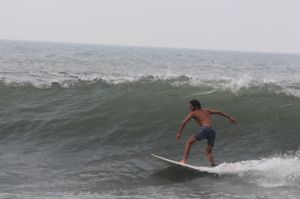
(247, 25)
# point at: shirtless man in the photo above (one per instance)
(203, 117)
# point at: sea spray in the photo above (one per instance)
(274, 171)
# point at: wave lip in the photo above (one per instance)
(222, 83)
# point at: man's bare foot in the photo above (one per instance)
(183, 161)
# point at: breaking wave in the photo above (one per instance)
(276, 171)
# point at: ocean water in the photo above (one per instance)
(79, 121)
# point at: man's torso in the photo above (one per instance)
(202, 117)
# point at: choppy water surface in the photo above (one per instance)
(79, 121)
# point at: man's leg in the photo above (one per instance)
(209, 155)
(187, 148)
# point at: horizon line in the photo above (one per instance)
(145, 46)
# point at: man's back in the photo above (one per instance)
(202, 117)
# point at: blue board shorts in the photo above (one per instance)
(208, 133)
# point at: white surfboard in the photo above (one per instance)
(187, 166)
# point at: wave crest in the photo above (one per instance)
(234, 85)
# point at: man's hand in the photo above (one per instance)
(233, 120)
(178, 135)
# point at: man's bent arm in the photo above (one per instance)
(185, 121)
(216, 112)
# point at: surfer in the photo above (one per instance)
(203, 117)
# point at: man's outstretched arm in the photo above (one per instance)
(185, 121)
(217, 112)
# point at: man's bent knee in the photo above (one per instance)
(192, 140)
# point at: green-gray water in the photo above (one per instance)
(79, 121)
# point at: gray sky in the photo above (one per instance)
(248, 25)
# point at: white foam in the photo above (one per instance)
(267, 172)
(225, 83)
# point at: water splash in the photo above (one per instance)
(275, 171)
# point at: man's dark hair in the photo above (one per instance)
(195, 103)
